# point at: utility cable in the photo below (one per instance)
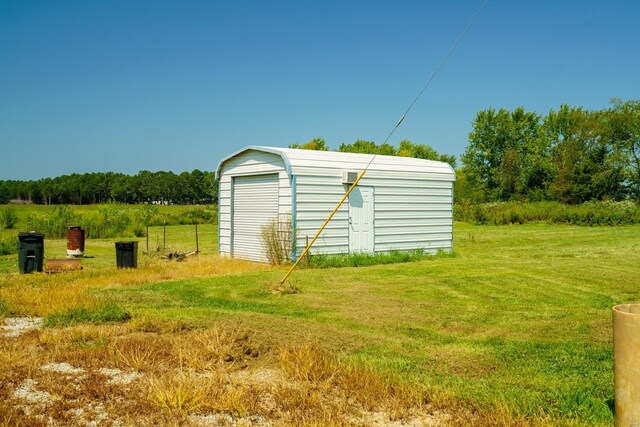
(433, 76)
(435, 73)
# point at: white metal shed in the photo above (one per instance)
(401, 203)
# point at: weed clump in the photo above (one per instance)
(363, 259)
(8, 246)
(8, 218)
(277, 237)
(53, 225)
(4, 309)
(372, 390)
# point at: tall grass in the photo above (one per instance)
(108, 312)
(54, 224)
(8, 218)
(113, 220)
(363, 259)
(586, 214)
(8, 246)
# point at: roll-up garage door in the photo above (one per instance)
(255, 203)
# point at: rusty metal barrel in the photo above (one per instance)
(626, 354)
(75, 242)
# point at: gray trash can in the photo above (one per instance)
(30, 252)
(127, 254)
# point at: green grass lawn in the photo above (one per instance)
(519, 320)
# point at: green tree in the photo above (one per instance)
(211, 194)
(585, 165)
(4, 193)
(368, 147)
(423, 151)
(317, 144)
(122, 188)
(502, 145)
(624, 133)
(465, 189)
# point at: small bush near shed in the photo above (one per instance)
(8, 218)
(8, 246)
(277, 238)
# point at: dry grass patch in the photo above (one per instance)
(353, 388)
(46, 297)
(141, 352)
(223, 376)
(159, 326)
(216, 348)
(40, 294)
(181, 392)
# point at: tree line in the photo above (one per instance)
(571, 155)
(406, 148)
(195, 187)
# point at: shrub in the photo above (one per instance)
(149, 214)
(201, 215)
(112, 221)
(8, 246)
(586, 214)
(8, 218)
(54, 225)
(277, 238)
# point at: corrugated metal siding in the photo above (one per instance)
(248, 163)
(412, 210)
(316, 197)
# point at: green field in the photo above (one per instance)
(517, 321)
(520, 317)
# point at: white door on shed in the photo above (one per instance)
(361, 220)
(255, 203)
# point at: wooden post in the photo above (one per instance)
(306, 260)
(164, 234)
(197, 248)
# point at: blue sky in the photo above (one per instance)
(123, 86)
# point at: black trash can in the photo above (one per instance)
(127, 254)
(30, 252)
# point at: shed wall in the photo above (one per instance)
(249, 163)
(412, 211)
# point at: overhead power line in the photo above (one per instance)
(453, 48)
(437, 70)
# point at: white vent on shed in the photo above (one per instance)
(349, 177)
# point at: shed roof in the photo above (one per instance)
(296, 158)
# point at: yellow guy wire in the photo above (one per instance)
(424, 88)
(325, 224)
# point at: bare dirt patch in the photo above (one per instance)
(15, 326)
